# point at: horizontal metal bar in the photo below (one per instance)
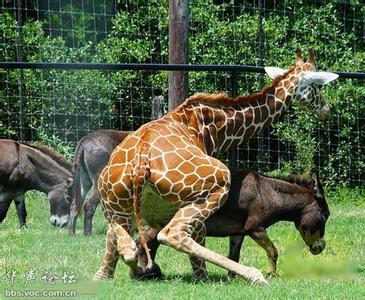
(157, 67)
(132, 66)
(354, 75)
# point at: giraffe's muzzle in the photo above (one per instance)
(324, 113)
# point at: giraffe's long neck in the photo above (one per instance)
(220, 127)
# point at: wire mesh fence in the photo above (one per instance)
(64, 105)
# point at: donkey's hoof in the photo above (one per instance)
(201, 279)
(154, 272)
(272, 274)
(87, 232)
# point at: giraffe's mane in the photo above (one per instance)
(222, 99)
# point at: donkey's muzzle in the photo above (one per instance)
(59, 221)
(317, 247)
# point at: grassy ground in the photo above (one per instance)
(338, 273)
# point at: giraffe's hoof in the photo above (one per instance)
(130, 256)
(101, 276)
(260, 281)
(272, 274)
(154, 272)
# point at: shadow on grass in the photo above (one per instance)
(187, 278)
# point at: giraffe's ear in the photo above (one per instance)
(320, 78)
(274, 72)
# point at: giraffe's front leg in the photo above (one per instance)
(111, 256)
(199, 268)
(177, 234)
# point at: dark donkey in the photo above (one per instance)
(256, 202)
(91, 156)
(24, 167)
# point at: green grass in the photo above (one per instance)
(337, 273)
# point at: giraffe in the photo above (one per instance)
(167, 172)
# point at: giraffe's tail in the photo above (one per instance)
(139, 179)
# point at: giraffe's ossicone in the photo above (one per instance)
(166, 173)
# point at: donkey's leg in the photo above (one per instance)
(235, 244)
(4, 206)
(111, 256)
(21, 210)
(81, 185)
(261, 238)
(89, 209)
(178, 234)
(73, 218)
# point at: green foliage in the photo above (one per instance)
(346, 196)
(68, 103)
(64, 148)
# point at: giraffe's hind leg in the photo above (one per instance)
(126, 246)
(110, 258)
(119, 244)
(178, 233)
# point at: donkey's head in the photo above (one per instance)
(307, 92)
(312, 221)
(60, 202)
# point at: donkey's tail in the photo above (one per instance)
(141, 172)
(77, 199)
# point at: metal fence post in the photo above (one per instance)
(157, 109)
(21, 72)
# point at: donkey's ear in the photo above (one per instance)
(316, 183)
(315, 178)
(319, 78)
(274, 72)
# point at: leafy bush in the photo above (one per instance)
(68, 104)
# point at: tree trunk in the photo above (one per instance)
(178, 50)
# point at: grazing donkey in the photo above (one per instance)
(91, 156)
(24, 167)
(256, 202)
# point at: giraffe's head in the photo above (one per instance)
(306, 84)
